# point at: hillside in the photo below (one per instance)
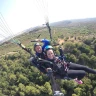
(81, 29)
(74, 22)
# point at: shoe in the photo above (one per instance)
(58, 93)
(78, 81)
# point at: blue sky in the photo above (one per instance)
(23, 14)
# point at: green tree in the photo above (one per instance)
(84, 48)
(76, 52)
(32, 91)
(68, 47)
(22, 79)
(21, 87)
(95, 48)
(48, 88)
(83, 59)
(22, 93)
(12, 79)
(78, 91)
(93, 61)
(72, 58)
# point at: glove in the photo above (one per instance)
(33, 59)
(49, 70)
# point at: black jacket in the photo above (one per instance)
(41, 64)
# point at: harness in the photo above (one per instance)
(42, 64)
(62, 66)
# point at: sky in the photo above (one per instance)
(23, 14)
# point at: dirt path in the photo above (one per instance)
(11, 53)
(73, 39)
(60, 41)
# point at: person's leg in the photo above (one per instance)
(81, 67)
(76, 74)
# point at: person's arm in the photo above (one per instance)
(24, 48)
(62, 56)
(40, 64)
(45, 43)
(38, 40)
(45, 40)
(42, 40)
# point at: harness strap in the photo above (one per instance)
(62, 63)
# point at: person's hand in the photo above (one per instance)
(30, 60)
(33, 59)
(38, 40)
(23, 46)
(49, 70)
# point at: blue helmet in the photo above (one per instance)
(48, 47)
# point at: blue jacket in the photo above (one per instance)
(45, 43)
